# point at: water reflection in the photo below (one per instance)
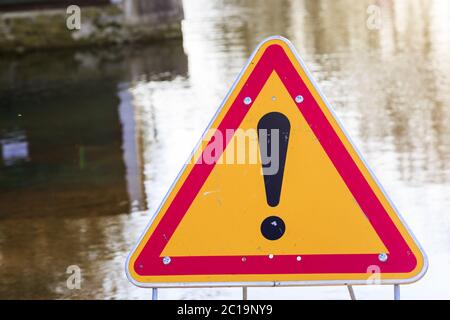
(71, 154)
(69, 131)
(130, 119)
(14, 147)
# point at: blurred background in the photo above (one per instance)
(95, 124)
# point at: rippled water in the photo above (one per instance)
(91, 141)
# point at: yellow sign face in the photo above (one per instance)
(275, 194)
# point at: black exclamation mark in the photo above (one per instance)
(273, 136)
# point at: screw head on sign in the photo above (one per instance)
(299, 99)
(166, 260)
(299, 258)
(270, 256)
(247, 100)
(383, 257)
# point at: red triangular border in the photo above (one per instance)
(401, 258)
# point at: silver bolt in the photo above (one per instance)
(299, 258)
(299, 99)
(244, 259)
(270, 256)
(274, 98)
(247, 100)
(166, 260)
(383, 257)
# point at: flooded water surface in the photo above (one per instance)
(91, 140)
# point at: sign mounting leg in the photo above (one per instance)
(351, 292)
(396, 292)
(244, 293)
(154, 293)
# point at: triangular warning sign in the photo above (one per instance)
(304, 209)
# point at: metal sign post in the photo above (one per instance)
(244, 293)
(351, 292)
(154, 293)
(396, 292)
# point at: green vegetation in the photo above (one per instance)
(100, 26)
